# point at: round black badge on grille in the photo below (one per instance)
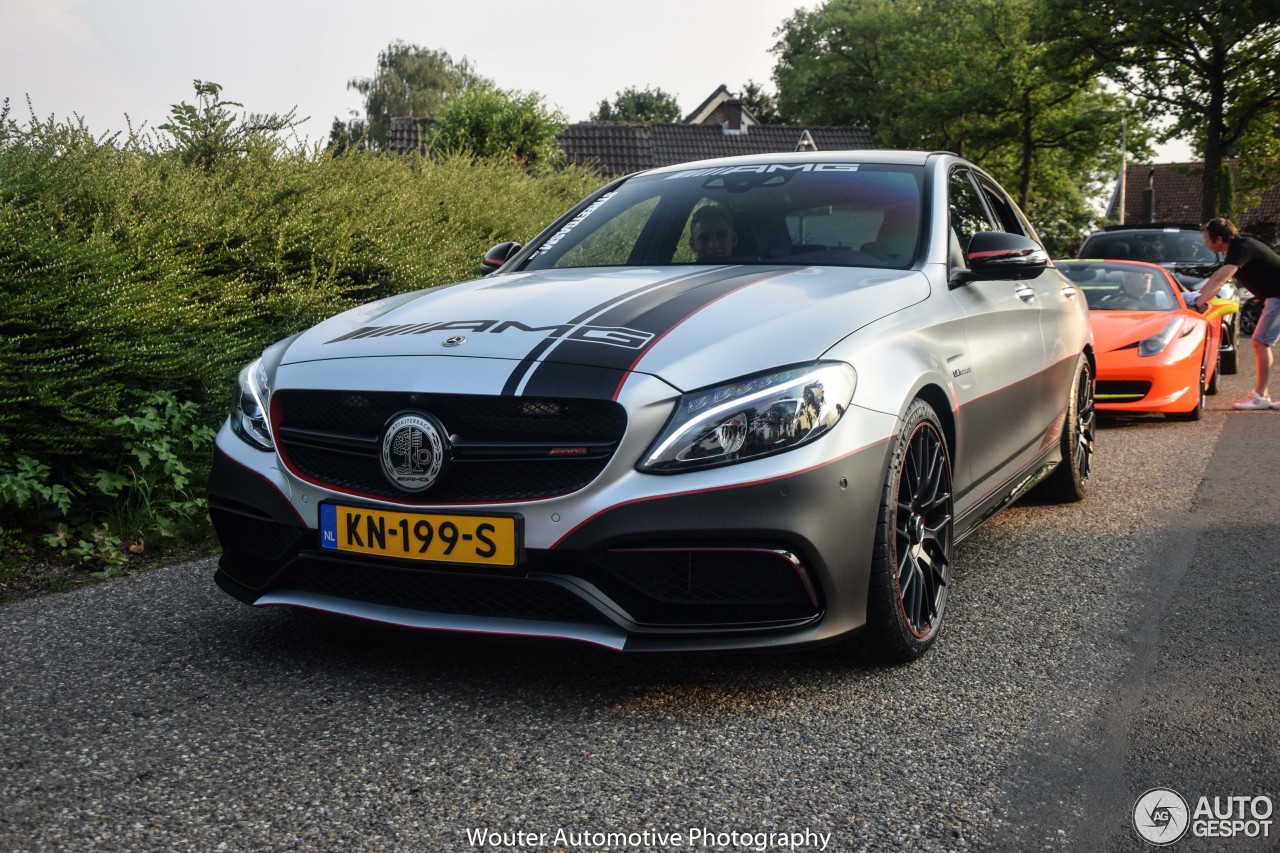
(414, 451)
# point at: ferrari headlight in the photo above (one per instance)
(249, 406)
(1155, 344)
(752, 417)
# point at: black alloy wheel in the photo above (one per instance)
(911, 570)
(1069, 482)
(1211, 388)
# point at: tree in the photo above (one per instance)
(646, 104)
(988, 86)
(491, 122)
(762, 104)
(208, 130)
(1213, 68)
(409, 81)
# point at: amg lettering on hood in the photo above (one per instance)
(610, 335)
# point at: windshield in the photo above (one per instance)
(1122, 287)
(843, 214)
(1154, 246)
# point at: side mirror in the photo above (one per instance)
(1001, 256)
(1219, 307)
(497, 256)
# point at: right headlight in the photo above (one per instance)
(1175, 328)
(249, 406)
(752, 417)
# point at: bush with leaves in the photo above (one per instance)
(151, 494)
(488, 122)
(130, 271)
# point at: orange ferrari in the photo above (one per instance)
(1156, 352)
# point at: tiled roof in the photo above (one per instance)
(406, 133)
(618, 148)
(1176, 194)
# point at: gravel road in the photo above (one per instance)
(1092, 652)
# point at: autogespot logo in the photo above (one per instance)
(1160, 816)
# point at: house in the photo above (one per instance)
(1171, 192)
(720, 126)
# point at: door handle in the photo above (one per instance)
(1026, 294)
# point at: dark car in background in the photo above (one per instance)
(1179, 248)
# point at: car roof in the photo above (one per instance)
(877, 156)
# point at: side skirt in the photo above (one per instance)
(1011, 491)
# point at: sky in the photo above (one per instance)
(105, 59)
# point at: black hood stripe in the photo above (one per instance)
(644, 305)
(585, 369)
(529, 361)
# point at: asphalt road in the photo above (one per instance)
(1092, 652)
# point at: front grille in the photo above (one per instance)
(504, 448)
(706, 586)
(1119, 391)
(708, 577)
(439, 592)
(254, 544)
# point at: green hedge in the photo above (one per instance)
(126, 272)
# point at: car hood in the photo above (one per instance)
(691, 326)
(1113, 330)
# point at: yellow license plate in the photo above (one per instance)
(483, 540)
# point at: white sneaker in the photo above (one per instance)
(1253, 401)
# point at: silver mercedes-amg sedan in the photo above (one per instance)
(742, 403)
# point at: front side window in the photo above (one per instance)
(841, 214)
(969, 214)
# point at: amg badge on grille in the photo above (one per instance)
(414, 451)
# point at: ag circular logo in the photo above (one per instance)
(1161, 816)
(413, 452)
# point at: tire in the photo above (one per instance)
(1212, 388)
(1231, 353)
(1250, 310)
(911, 563)
(1069, 482)
(1194, 414)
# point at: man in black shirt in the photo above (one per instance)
(1256, 267)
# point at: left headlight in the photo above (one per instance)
(752, 417)
(249, 406)
(1175, 328)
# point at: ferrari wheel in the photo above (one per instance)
(911, 565)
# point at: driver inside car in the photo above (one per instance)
(1136, 293)
(711, 234)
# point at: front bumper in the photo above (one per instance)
(780, 561)
(1127, 383)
